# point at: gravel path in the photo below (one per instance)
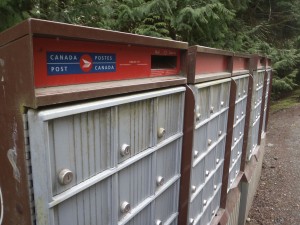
(277, 200)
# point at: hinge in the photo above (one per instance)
(29, 168)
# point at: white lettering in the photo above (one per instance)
(104, 67)
(59, 69)
(63, 57)
(103, 58)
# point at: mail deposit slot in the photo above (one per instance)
(206, 117)
(91, 126)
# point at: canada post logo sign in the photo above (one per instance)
(60, 63)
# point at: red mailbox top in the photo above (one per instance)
(59, 61)
(268, 63)
(258, 62)
(206, 64)
(241, 64)
(62, 62)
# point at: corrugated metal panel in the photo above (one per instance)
(134, 127)
(166, 205)
(118, 167)
(144, 217)
(90, 207)
(212, 101)
(238, 128)
(256, 105)
(266, 99)
(134, 183)
(254, 183)
(234, 215)
(168, 110)
(80, 143)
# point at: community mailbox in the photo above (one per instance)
(205, 134)
(91, 126)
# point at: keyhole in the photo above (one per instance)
(68, 178)
(65, 177)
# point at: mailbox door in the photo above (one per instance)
(165, 205)
(134, 127)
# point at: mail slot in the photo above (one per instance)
(92, 126)
(206, 119)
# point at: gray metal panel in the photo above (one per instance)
(253, 138)
(166, 204)
(167, 160)
(245, 87)
(213, 130)
(169, 115)
(203, 103)
(234, 215)
(209, 143)
(206, 217)
(218, 175)
(91, 207)
(215, 203)
(238, 129)
(225, 93)
(201, 139)
(85, 139)
(198, 174)
(210, 162)
(133, 178)
(208, 190)
(264, 121)
(223, 118)
(220, 150)
(214, 98)
(80, 143)
(240, 88)
(135, 127)
(144, 217)
(196, 206)
(175, 222)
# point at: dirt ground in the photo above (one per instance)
(277, 200)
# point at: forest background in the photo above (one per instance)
(270, 27)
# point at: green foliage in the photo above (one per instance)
(12, 12)
(255, 26)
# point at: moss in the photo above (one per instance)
(287, 102)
